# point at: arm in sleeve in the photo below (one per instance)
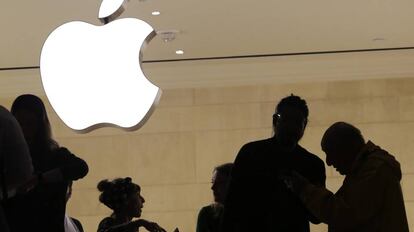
(202, 225)
(70, 167)
(235, 199)
(359, 200)
(18, 166)
(318, 180)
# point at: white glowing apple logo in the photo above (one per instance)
(92, 75)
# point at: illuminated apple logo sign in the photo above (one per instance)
(92, 75)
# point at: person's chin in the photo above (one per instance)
(340, 172)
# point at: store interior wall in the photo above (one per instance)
(194, 129)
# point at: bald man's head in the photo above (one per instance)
(341, 143)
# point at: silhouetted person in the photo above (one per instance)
(370, 198)
(124, 198)
(210, 217)
(257, 200)
(43, 208)
(15, 162)
(71, 224)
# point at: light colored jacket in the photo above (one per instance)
(370, 199)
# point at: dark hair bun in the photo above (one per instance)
(104, 185)
(115, 193)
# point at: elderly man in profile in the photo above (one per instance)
(15, 162)
(370, 198)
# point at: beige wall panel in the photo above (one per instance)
(90, 223)
(163, 158)
(170, 119)
(345, 89)
(360, 110)
(85, 202)
(242, 94)
(409, 206)
(310, 91)
(267, 109)
(406, 139)
(181, 197)
(327, 111)
(107, 157)
(334, 183)
(400, 87)
(6, 102)
(177, 97)
(225, 117)
(406, 105)
(312, 140)
(408, 187)
(319, 228)
(379, 109)
(370, 88)
(392, 140)
(218, 147)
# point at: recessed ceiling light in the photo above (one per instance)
(179, 52)
(156, 13)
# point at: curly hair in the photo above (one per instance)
(115, 193)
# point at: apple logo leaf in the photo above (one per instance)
(111, 9)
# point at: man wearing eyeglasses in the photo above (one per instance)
(257, 199)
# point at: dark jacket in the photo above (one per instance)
(258, 200)
(44, 207)
(209, 218)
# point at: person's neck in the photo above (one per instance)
(285, 147)
(122, 217)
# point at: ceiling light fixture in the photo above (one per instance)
(155, 13)
(179, 52)
(167, 35)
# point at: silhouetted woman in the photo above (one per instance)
(43, 208)
(209, 217)
(124, 198)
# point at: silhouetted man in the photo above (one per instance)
(257, 199)
(370, 198)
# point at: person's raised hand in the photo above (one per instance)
(28, 185)
(150, 226)
(294, 181)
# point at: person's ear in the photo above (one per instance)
(275, 118)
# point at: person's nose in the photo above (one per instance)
(213, 186)
(328, 161)
(142, 200)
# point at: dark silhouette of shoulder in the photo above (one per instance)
(259, 153)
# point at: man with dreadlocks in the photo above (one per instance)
(257, 199)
